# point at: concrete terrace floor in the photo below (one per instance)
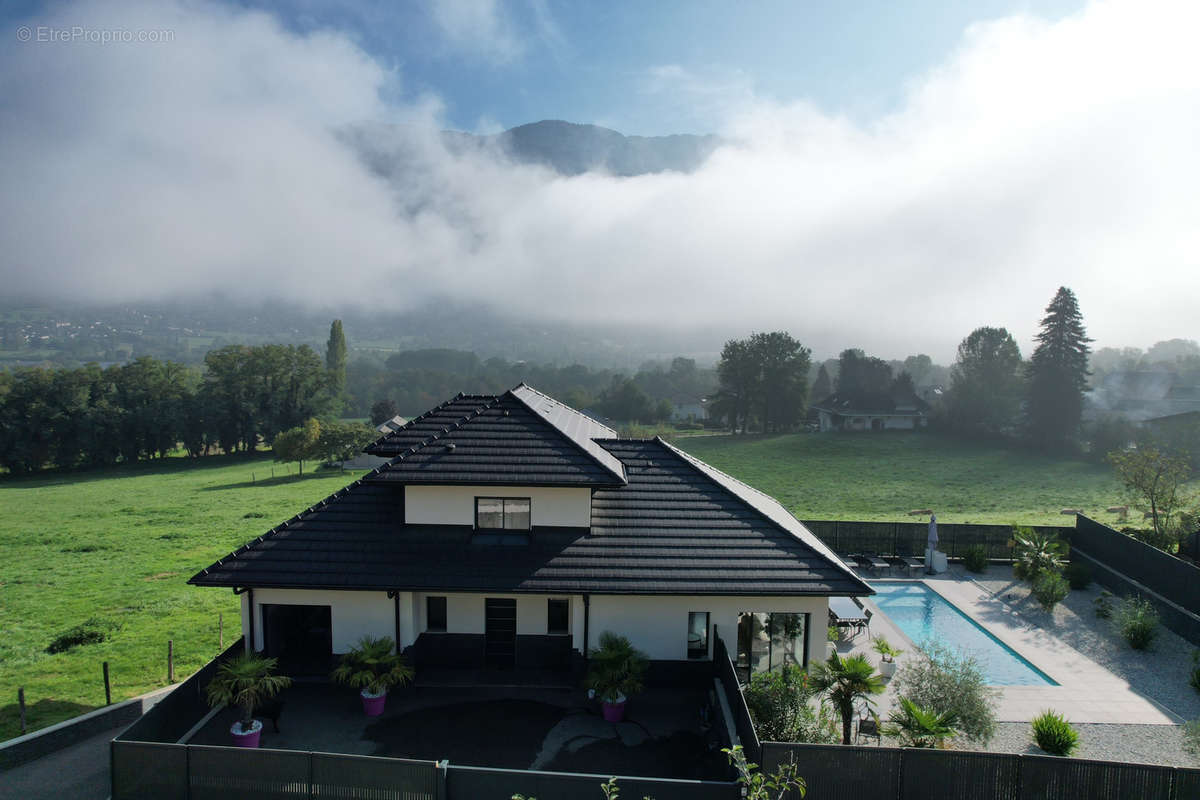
(552, 729)
(1087, 691)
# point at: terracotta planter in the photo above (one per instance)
(614, 711)
(248, 738)
(373, 704)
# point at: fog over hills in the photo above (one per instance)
(567, 148)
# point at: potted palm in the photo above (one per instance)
(615, 673)
(245, 680)
(887, 655)
(373, 667)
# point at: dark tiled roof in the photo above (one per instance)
(673, 529)
(498, 439)
(873, 403)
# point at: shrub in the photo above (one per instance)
(91, 631)
(1191, 737)
(919, 727)
(1050, 589)
(1078, 574)
(1054, 734)
(1194, 677)
(944, 680)
(1103, 605)
(780, 704)
(975, 558)
(1036, 552)
(1137, 620)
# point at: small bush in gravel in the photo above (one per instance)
(1078, 574)
(1103, 605)
(1194, 677)
(943, 680)
(1054, 734)
(1050, 589)
(975, 558)
(1191, 737)
(1137, 620)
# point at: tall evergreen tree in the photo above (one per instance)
(335, 363)
(1058, 373)
(822, 386)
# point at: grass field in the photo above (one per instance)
(882, 476)
(120, 544)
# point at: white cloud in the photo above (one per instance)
(1038, 154)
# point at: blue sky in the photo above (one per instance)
(655, 67)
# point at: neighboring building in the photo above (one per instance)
(871, 411)
(509, 531)
(367, 461)
(690, 410)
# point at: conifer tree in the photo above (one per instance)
(335, 364)
(823, 386)
(1058, 373)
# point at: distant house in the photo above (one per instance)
(367, 461)
(509, 531)
(692, 409)
(871, 411)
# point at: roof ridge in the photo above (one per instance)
(413, 421)
(475, 412)
(816, 544)
(621, 476)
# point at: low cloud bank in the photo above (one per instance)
(1039, 154)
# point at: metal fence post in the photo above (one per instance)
(107, 687)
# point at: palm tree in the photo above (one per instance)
(372, 666)
(920, 727)
(246, 681)
(846, 681)
(1036, 553)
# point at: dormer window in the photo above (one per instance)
(502, 513)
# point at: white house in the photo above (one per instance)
(872, 411)
(509, 531)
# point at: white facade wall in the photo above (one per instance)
(455, 505)
(657, 625)
(353, 614)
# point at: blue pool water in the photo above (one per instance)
(923, 614)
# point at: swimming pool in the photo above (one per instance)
(924, 614)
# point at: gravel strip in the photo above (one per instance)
(1160, 673)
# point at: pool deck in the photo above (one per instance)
(1088, 693)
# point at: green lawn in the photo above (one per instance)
(120, 544)
(883, 476)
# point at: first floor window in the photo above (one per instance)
(557, 616)
(770, 641)
(435, 613)
(502, 513)
(697, 636)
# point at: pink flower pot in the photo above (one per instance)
(613, 712)
(373, 706)
(247, 739)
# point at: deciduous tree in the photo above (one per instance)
(1154, 479)
(985, 382)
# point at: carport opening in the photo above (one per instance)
(301, 637)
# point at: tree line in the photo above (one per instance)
(412, 381)
(93, 416)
